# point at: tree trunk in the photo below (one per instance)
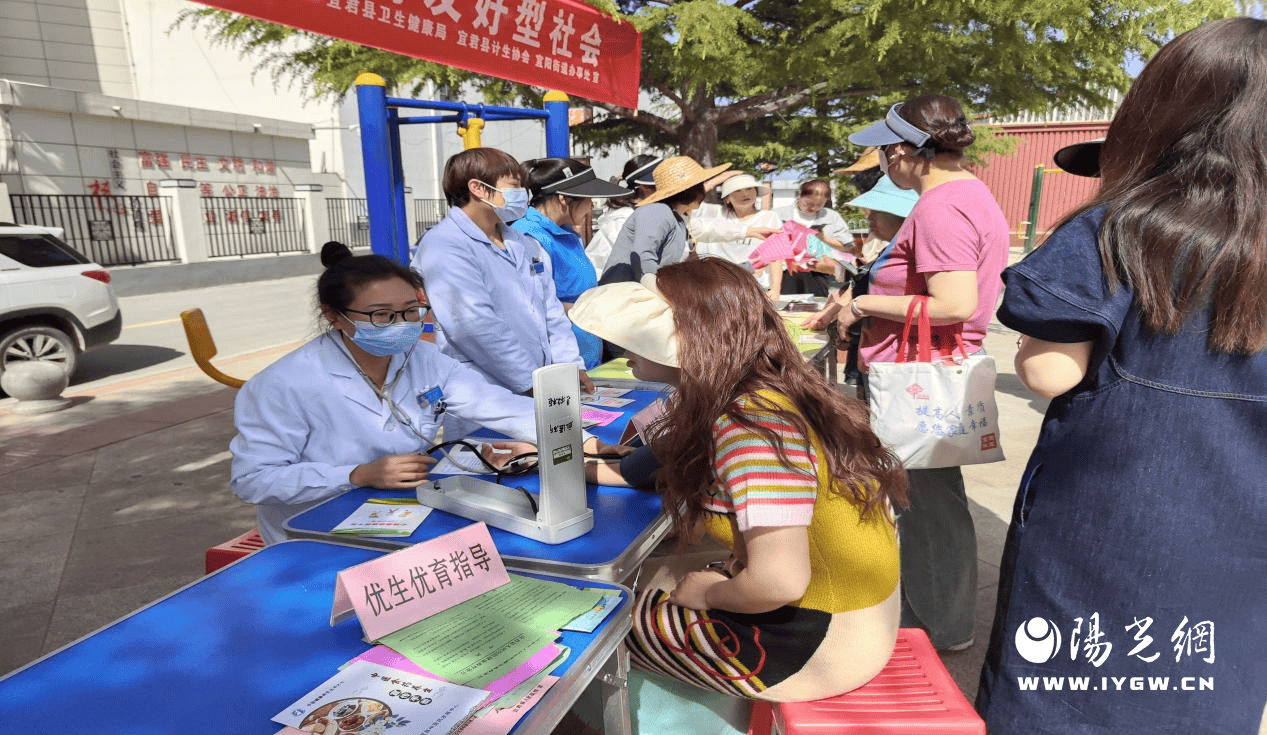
(699, 141)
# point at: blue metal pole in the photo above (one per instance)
(376, 151)
(556, 106)
(400, 245)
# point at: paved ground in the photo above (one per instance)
(111, 503)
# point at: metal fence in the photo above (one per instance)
(428, 213)
(349, 221)
(109, 230)
(237, 226)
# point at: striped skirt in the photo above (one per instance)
(733, 653)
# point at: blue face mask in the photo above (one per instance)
(516, 203)
(392, 339)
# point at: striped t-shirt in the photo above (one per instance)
(753, 484)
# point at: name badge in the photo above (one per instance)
(433, 397)
(538, 266)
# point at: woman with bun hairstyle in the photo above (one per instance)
(951, 248)
(360, 405)
(636, 176)
(759, 450)
(491, 286)
(1136, 557)
(562, 192)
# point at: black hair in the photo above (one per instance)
(346, 273)
(482, 164)
(943, 119)
(865, 181)
(687, 196)
(632, 165)
(545, 171)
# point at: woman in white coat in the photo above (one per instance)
(360, 405)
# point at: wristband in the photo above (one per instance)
(853, 309)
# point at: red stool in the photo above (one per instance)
(232, 550)
(913, 693)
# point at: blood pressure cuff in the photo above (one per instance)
(639, 468)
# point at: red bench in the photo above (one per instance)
(232, 550)
(912, 694)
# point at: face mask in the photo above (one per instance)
(516, 203)
(884, 162)
(392, 339)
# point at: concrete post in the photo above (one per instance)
(6, 206)
(187, 229)
(312, 199)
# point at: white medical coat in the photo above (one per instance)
(309, 419)
(496, 309)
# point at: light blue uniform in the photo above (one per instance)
(496, 308)
(573, 273)
(306, 421)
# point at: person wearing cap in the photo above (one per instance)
(886, 207)
(760, 451)
(635, 175)
(656, 233)
(952, 248)
(491, 286)
(740, 228)
(562, 193)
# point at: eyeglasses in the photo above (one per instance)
(387, 317)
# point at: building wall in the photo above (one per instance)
(78, 45)
(1011, 178)
(60, 142)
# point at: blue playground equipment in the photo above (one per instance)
(380, 148)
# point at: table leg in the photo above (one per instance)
(614, 679)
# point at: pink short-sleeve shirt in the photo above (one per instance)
(957, 226)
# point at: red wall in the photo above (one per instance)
(1012, 177)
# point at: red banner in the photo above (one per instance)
(556, 44)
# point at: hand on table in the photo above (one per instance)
(692, 590)
(395, 471)
(587, 383)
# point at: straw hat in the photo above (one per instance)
(869, 159)
(632, 315)
(678, 174)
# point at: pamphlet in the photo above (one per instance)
(604, 392)
(375, 700)
(384, 517)
(589, 621)
(606, 401)
(598, 417)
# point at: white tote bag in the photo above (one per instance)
(935, 413)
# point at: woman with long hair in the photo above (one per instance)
(951, 248)
(1137, 550)
(756, 447)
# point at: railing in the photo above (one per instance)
(109, 230)
(428, 213)
(239, 226)
(349, 221)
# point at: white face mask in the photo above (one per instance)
(516, 203)
(884, 162)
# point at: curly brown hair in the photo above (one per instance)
(731, 344)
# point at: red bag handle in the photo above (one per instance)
(924, 340)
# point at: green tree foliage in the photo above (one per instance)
(786, 80)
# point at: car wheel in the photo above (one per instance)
(46, 344)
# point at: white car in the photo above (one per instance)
(54, 302)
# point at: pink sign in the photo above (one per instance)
(401, 588)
